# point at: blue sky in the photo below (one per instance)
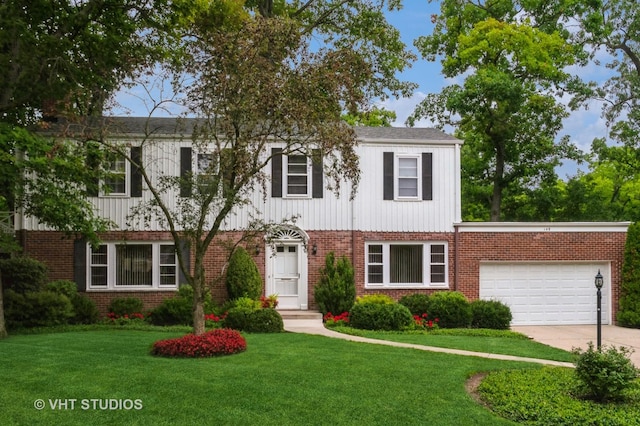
(413, 21)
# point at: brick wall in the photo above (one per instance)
(477, 247)
(56, 252)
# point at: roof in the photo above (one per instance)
(171, 126)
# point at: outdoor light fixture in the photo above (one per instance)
(314, 249)
(257, 249)
(599, 284)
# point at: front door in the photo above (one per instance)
(287, 278)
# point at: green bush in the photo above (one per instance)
(629, 305)
(179, 309)
(380, 316)
(23, 274)
(36, 309)
(417, 303)
(266, 320)
(604, 374)
(336, 289)
(122, 306)
(243, 278)
(84, 310)
(379, 299)
(68, 288)
(490, 314)
(452, 309)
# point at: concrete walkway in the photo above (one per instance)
(315, 326)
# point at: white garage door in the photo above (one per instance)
(546, 293)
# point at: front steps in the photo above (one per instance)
(300, 315)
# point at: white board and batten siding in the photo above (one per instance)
(547, 293)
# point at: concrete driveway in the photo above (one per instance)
(577, 336)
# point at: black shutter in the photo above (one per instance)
(387, 171)
(427, 176)
(184, 249)
(80, 264)
(276, 172)
(317, 190)
(185, 172)
(136, 174)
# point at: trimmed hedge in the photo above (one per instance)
(266, 320)
(336, 289)
(380, 316)
(490, 314)
(122, 306)
(243, 278)
(452, 309)
(23, 274)
(417, 303)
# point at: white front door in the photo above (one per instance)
(288, 275)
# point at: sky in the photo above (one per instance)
(413, 21)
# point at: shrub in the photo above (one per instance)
(417, 303)
(490, 314)
(331, 320)
(68, 288)
(266, 320)
(243, 278)
(604, 374)
(23, 274)
(380, 316)
(122, 306)
(629, 312)
(212, 343)
(379, 299)
(246, 303)
(336, 289)
(452, 309)
(178, 310)
(36, 309)
(84, 310)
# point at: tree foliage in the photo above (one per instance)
(505, 109)
(629, 310)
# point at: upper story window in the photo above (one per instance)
(405, 265)
(132, 266)
(115, 183)
(408, 181)
(296, 175)
(408, 176)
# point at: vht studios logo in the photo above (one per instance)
(88, 404)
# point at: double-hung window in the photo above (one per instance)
(406, 264)
(132, 266)
(408, 185)
(297, 176)
(115, 182)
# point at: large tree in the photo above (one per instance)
(512, 65)
(252, 82)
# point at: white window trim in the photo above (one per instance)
(426, 263)
(111, 268)
(397, 177)
(285, 178)
(127, 184)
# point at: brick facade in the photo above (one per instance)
(466, 251)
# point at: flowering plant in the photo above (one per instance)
(270, 301)
(133, 318)
(331, 320)
(222, 341)
(423, 322)
(213, 320)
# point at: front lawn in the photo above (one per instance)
(281, 379)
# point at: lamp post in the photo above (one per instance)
(599, 284)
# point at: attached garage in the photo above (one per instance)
(541, 293)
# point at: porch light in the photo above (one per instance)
(599, 284)
(314, 249)
(257, 249)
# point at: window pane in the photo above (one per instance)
(99, 276)
(167, 255)
(407, 187)
(438, 263)
(116, 181)
(437, 254)
(375, 269)
(297, 175)
(375, 274)
(167, 275)
(437, 274)
(99, 255)
(405, 263)
(134, 265)
(408, 167)
(375, 254)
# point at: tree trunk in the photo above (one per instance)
(198, 299)
(3, 328)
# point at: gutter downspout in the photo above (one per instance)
(455, 257)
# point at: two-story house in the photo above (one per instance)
(402, 231)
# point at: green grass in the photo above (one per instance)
(282, 379)
(487, 341)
